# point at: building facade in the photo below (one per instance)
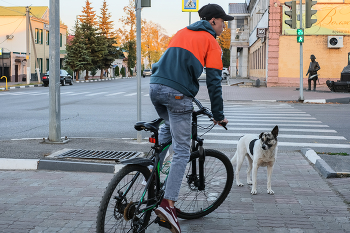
(273, 51)
(13, 62)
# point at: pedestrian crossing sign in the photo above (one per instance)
(189, 5)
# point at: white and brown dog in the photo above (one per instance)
(260, 152)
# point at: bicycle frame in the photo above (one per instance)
(197, 179)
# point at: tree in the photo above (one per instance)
(88, 16)
(128, 33)
(225, 43)
(94, 43)
(77, 56)
(105, 23)
(116, 71)
(225, 38)
(153, 41)
(108, 37)
(130, 46)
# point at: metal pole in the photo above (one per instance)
(301, 89)
(138, 63)
(27, 45)
(54, 84)
(189, 18)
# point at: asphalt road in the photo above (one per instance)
(109, 110)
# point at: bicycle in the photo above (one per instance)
(127, 203)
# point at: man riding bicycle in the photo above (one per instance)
(173, 85)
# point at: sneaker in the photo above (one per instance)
(167, 213)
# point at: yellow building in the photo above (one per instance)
(13, 63)
(333, 24)
(269, 47)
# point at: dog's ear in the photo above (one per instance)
(275, 131)
(260, 136)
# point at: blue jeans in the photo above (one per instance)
(176, 109)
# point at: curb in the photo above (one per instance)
(345, 100)
(57, 165)
(35, 85)
(324, 169)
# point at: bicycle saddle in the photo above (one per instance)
(152, 126)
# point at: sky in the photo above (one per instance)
(167, 13)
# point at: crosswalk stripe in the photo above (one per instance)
(266, 114)
(98, 93)
(118, 93)
(132, 94)
(280, 130)
(79, 93)
(261, 120)
(296, 144)
(281, 136)
(264, 124)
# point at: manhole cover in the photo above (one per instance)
(96, 154)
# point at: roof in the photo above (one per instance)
(238, 8)
(37, 11)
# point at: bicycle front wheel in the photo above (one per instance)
(218, 176)
(118, 209)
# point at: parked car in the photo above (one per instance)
(64, 78)
(147, 72)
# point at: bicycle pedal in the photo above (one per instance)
(163, 223)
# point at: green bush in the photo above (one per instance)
(116, 71)
(131, 72)
(122, 71)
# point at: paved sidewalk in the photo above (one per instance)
(54, 201)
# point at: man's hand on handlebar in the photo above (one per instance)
(222, 123)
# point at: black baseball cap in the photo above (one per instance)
(210, 11)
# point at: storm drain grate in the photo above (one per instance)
(96, 154)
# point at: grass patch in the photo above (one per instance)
(329, 153)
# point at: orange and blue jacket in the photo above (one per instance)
(189, 51)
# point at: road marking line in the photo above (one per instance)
(280, 129)
(280, 125)
(297, 144)
(281, 136)
(118, 93)
(98, 93)
(132, 94)
(255, 120)
(265, 114)
(79, 93)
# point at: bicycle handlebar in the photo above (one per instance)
(206, 111)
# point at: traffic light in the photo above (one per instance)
(300, 35)
(292, 22)
(309, 13)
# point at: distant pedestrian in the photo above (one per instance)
(312, 72)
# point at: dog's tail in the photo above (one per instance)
(234, 158)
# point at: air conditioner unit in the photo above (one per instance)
(9, 37)
(335, 41)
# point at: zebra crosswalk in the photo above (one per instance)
(297, 129)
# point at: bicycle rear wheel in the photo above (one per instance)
(218, 173)
(120, 200)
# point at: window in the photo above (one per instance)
(41, 36)
(47, 37)
(40, 64)
(36, 35)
